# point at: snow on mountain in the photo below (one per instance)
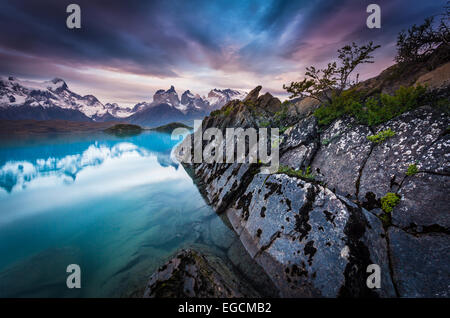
(217, 97)
(25, 99)
(54, 93)
(191, 102)
(166, 106)
(120, 112)
(169, 97)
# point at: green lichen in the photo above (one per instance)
(297, 173)
(412, 170)
(389, 201)
(381, 136)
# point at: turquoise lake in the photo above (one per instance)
(117, 207)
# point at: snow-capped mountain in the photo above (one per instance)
(23, 99)
(167, 107)
(120, 112)
(191, 102)
(217, 97)
(46, 95)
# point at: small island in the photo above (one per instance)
(124, 130)
(170, 127)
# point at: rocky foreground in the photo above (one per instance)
(315, 235)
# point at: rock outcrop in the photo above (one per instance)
(192, 274)
(316, 237)
(310, 241)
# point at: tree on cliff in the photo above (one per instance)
(319, 83)
(419, 41)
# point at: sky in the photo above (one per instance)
(126, 50)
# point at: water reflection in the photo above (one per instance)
(117, 207)
(16, 175)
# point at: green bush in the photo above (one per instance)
(390, 106)
(412, 170)
(389, 201)
(373, 110)
(381, 136)
(349, 102)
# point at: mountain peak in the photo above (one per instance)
(169, 97)
(57, 84)
(253, 95)
(57, 80)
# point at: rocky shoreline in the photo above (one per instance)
(315, 237)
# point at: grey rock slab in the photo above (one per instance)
(424, 204)
(343, 152)
(300, 144)
(308, 240)
(386, 167)
(421, 264)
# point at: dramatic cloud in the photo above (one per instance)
(126, 50)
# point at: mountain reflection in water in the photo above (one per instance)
(118, 207)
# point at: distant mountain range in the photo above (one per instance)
(21, 99)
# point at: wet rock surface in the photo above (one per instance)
(192, 274)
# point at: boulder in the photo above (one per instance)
(310, 242)
(303, 107)
(269, 103)
(192, 274)
(316, 239)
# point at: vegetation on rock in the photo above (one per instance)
(335, 78)
(412, 170)
(373, 110)
(389, 201)
(124, 130)
(418, 42)
(381, 136)
(297, 173)
(340, 97)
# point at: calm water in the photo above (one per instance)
(118, 207)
